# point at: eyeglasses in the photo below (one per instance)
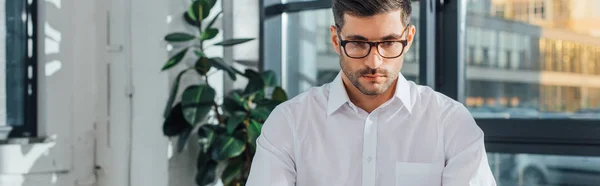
(386, 49)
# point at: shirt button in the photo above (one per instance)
(369, 159)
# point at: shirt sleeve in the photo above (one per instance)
(465, 155)
(273, 163)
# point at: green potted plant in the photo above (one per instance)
(230, 137)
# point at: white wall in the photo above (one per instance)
(114, 106)
(131, 148)
(102, 94)
(67, 56)
(148, 158)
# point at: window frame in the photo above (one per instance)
(29, 127)
(442, 27)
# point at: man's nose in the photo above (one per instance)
(373, 60)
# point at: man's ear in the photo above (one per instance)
(334, 39)
(410, 36)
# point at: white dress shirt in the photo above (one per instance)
(417, 138)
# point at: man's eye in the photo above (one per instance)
(357, 44)
(389, 44)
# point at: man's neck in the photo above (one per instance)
(367, 102)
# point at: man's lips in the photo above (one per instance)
(373, 77)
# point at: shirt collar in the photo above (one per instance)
(338, 95)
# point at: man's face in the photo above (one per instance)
(372, 74)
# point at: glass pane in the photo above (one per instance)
(534, 169)
(309, 57)
(12, 59)
(533, 58)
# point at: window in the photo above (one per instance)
(533, 169)
(536, 98)
(555, 95)
(523, 62)
(486, 57)
(471, 55)
(499, 10)
(538, 10)
(509, 63)
(558, 53)
(17, 60)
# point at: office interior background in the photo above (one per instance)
(82, 92)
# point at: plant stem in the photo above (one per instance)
(217, 111)
(214, 104)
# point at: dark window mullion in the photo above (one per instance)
(542, 136)
(31, 62)
(450, 39)
(426, 29)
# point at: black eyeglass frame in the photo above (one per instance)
(371, 44)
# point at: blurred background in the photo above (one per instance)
(82, 92)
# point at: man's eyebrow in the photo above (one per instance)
(392, 37)
(357, 38)
(384, 38)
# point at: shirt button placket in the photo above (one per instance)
(369, 151)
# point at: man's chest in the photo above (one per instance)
(344, 148)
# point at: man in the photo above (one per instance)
(371, 126)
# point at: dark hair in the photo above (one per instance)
(365, 8)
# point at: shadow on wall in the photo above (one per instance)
(18, 157)
(33, 161)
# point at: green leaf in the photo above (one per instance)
(267, 103)
(202, 66)
(175, 124)
(183, 137)
(195, 10)
(270, 78)
(197, 100)
(210, 24)
(254, 129)
(206, 6)
(234, 121)
(209, 34)
(226, 146)
(279, 95)
(210, 3)
(241, 100)
(259, 95)
(233, 170)
(195, 113)
(175, 59)
(206, 170)
(189, 20)
(218, 63)
(206, 136)
(174, 89)
(231, 105)
(260, 113)
(248, 63)
(179, 37)
(200, 7)
(231, 42)
(236, 95)
(255, 81)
